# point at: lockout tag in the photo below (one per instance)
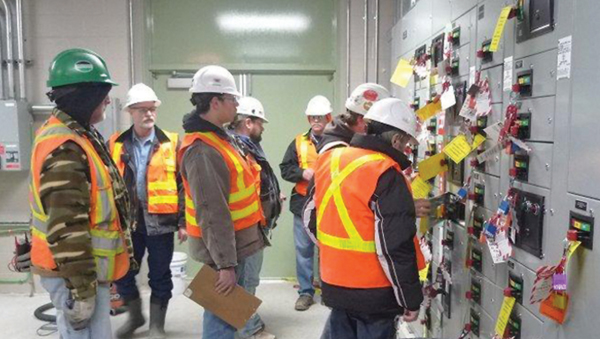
(520, 144)
(423, 225)
(477, 141)
(448, 98)
(425, 249)
(420, 188)
(573, 245)
(484, 103)
(499, 28)
(500, 247)
(508, 74)
(507, 306)
(542, 285)
(489, 153)
(429, 110)
(402, 74)
(424, 273)
(493, 131)
(458, 149)
(467, 110)
(432, 166)
(555, 306)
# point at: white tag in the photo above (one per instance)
(484, 104)
(472, 72)
(508, 74)
(489, 153)
(426, 250)
(493, 131)
(448, 98)
(563, 66)
(421, 71)
(542, 285)
(441, 68)
(467, 112)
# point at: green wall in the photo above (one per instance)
(287, 69)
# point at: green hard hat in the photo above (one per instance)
(78, 65)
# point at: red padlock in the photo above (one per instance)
(572, 235)
(512, 172)
(469, 295)
(474, 163)
(472, 196)
(471, 230)
(469, 262)
(508, 292)
(480, 54)
(516, 88)
(468, 327)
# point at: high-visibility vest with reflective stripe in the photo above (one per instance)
(307, 156)
(161, 183)
(244, 201)
(345, 180)
(108, 241)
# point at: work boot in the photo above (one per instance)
(134, 321)
(158, 313)
(304, 302)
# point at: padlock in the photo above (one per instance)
(560, 300)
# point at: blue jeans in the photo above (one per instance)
(99, 325)
(305, 251)
(212, 326)
(160, 252)
(348, 325)
(252, 267)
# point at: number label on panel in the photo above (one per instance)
(581, 205)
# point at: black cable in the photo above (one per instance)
(39, 313)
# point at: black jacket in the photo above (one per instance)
(269, 185)
(336, 133)
(156, 224)
(395, 225)
(291, 171)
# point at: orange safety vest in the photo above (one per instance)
(244, 201)
(161, 183)
(108, 241)
(307, 157)
(345, 180)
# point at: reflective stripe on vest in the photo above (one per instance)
(354, 241)
(244, 201)
(161, 183)
(307, 156)
(106, 235)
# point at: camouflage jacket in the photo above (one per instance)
(65, 195)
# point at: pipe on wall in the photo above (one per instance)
(2, 85)
(20, 50)
(131, 42)
(366, 51)
(348, 48)
(9, 50)
(377, 41)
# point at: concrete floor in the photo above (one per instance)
(184, 319)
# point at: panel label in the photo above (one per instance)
(563, 66)
(581, 205)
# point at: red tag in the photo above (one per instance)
(2, 149)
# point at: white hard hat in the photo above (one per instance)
(394, 112)
(318, 105)
(214, 79)
(364, 96)
(141, 93)
(252, 107)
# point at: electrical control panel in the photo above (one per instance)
(15, 136)
(529, 213)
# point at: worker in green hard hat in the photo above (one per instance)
(79, 203)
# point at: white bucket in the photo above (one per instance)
(178, 272)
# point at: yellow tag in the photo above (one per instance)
(572, 248)
(433, 79)
(505, 311)
(432, 166)
(429, 110)
(402, 74)
(423, 226)
(423, 273)
(458, 149)
(420, 188)
(479, 139)
(500, 28)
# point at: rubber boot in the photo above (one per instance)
(136, 319)
(158, 313)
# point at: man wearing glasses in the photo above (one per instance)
(297, 167)
(222, 201)
(146, 158)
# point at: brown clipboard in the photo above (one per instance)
(235, 308)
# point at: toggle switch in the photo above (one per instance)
(525, 81)
(520, 169)
(581, 228)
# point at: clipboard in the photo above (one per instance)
(235, 308)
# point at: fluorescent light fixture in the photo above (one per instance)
(271, 23)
